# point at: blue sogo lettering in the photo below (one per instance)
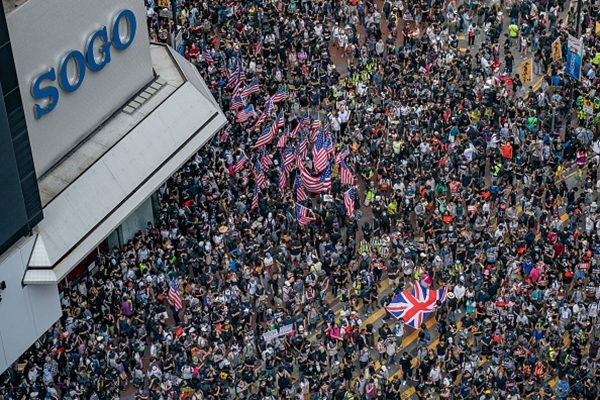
(48, 95)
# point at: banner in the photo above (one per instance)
(275, 333)
(527, 71)
(556, 50)
(574, 57)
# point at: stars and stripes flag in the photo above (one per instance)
(251, 88)
(282, 177)
(346, 176)
(302, 215)
(236, 77)
(254, 199)
(265, 160)
(414, 306)
(280, 95)
(174, 295)
(349, 198)
(266, 136)
(280, 121)
(319, 153)
(299, 189)
(267, 108)
(207, 57)
(314, 129)
(315, 184)
(282, 141)
(301, 150)
(326, 179)
(224, 70)
(259, 175)
(288, 158)
(242, 159)
(258, 47)
(341, 156)
(301, 124)
(245, 114)
(237, 102)
(225, 134)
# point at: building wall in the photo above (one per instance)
(25, 312)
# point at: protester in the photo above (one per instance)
(431, 162)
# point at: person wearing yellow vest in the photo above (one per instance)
(513, 33)
(364, 247)
(370, 196)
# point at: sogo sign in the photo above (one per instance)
(43, 87)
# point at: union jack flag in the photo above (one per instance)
(299, 189)
(245, 114)
(280, 95)
(302, 215)
(413, 307)
(349, 198)
(345, 174)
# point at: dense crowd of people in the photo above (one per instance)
(435, 162)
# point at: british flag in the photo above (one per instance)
(346, 176)
(413, 307)
(299, 189)
(349, 198)
(302, 215)
(245, 114)
(280, 95)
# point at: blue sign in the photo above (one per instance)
(44, 88)
(574, 57)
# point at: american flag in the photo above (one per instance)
(240, 162)
(301, 124)
(414, 307)
(349, 198)
(282, 177)
(236, 77)
(288, 158)
(280, 122)
(314, 129)
(267, 108)
(237, 102)
(345, 174)
(252, 87)
(319, 153)
(341, 156)
(283, 139)
(259, 175)
(326, 179)
(254, 199)
(299, 189)
(245, 114)
(280, 95)
(207, 57)
(301, 150)
(224, 70)
(174, 295)
(258, 47)
(266, 136)
(302, 215)
(315, 184)
(225, 134)
(266, 160)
